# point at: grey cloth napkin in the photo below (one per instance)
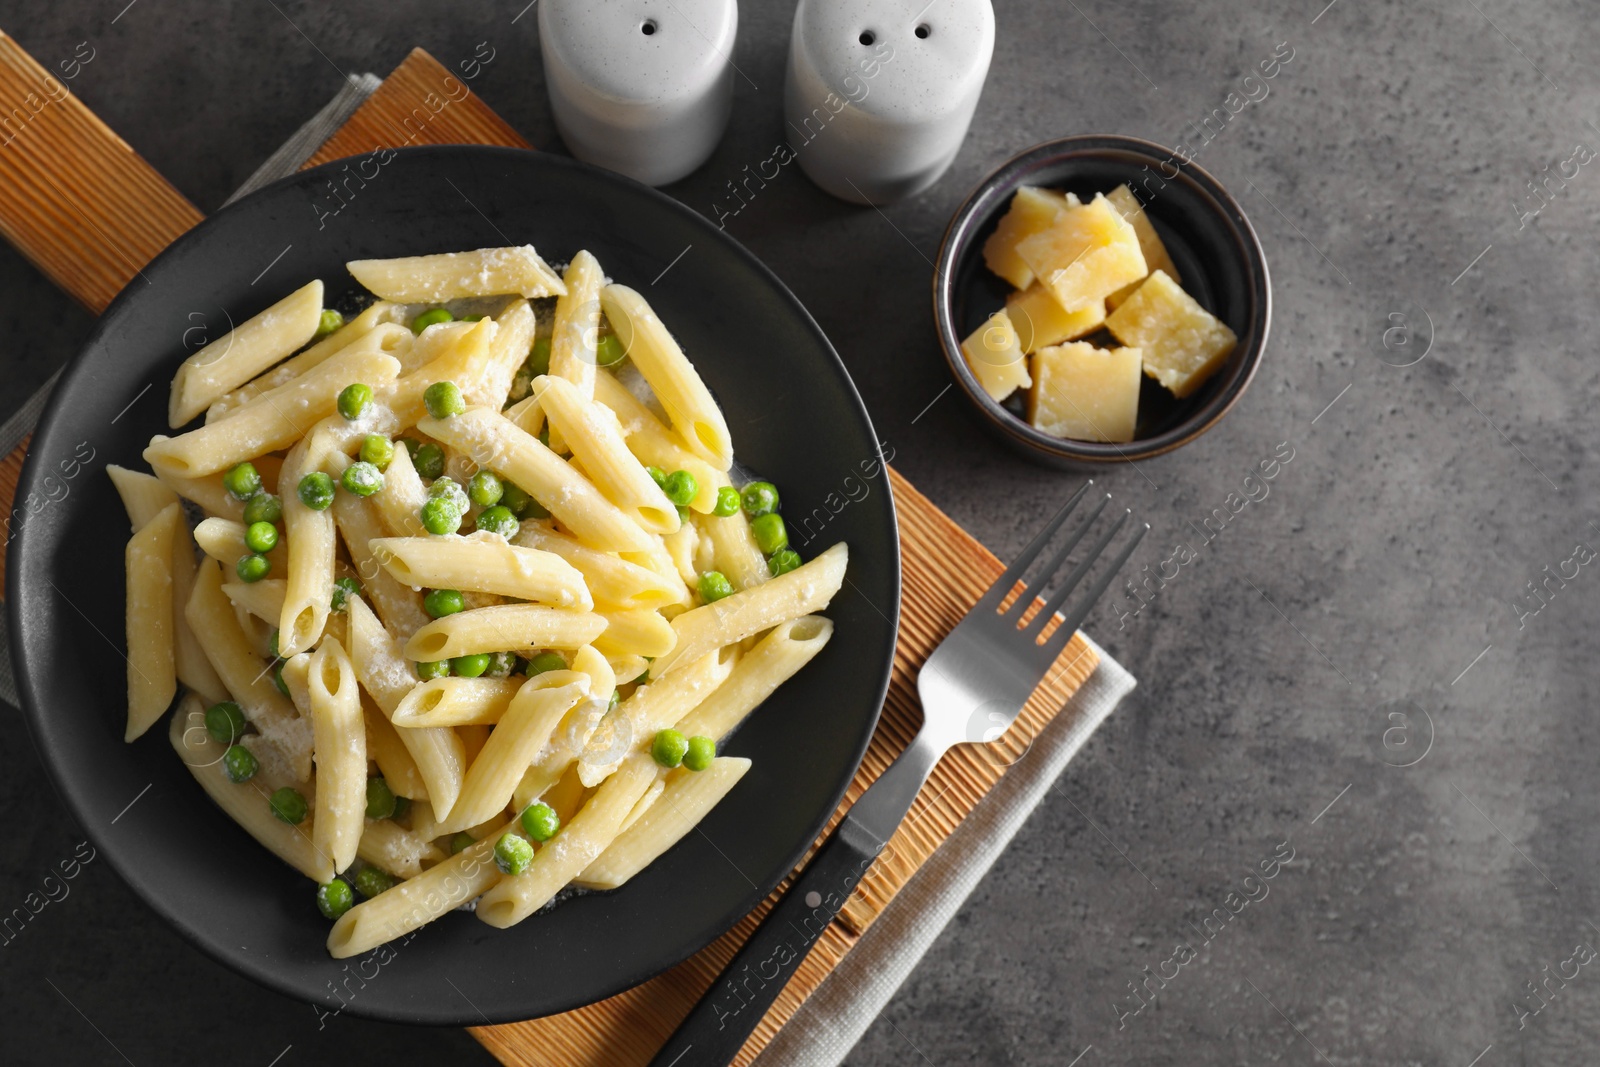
(833, 1019)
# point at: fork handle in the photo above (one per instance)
(720, 1023)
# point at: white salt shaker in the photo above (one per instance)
(880, 95)
(642, 87)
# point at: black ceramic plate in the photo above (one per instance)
(794, 416)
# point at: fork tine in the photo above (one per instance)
(1013, 573)
(1039, 621)
(1042, 579)
(1070, 624)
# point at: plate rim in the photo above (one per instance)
(23, 548)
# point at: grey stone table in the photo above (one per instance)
(1369, 607)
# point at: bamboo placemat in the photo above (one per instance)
(89, 212)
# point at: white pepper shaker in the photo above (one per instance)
(880, 95)
(642, 87)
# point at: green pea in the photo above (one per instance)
(252, 567)
(669, 747)
(430, 669)
(412, 445)
(700, 753)
(521, 504)
(714, 585)
(272, 643)
(539, 358)
(441, 516)
(315, 491)
(770, 534)
(759, 498)
(343, 589)
(261, 537)
(441, 602)
(430, 318)
(225, 722)
(683, 513)
(380, 799)
(782, 562)
(501, 664)
(512, 854)
(658, 476)
(485, 489)
(444, 399)
(239, 764)
(362, 478)
(470, 666)
(470, 318)
(328, 321)
(680, 487)
(277, 680)
(335, 898)
(377, 450)
(727, 502)
(288, 805)
(263, 507)
(429, 460)
(546, 661)
(451, 490)
(242, 481)
(462, 840)
(353, 400)
(609, 351)
(372, 881)
(540, 821)
(498, 520)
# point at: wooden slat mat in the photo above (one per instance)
(86, 209)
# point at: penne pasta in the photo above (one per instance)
(400, 503)
(483, 563)
(152, 659)
(457, 702)
(263, 599)
(734, 550)
(519, 628)
(654, 444)
(772, 661)
(507, 354)
(595, 438)
(395, 762)
(360, 523)
(244, 352)
(577, 325)
(677, 385)
(456, 275)
(686, 799)
(801, 591)
(632, 725)
(223, 541)
(635, 632)
(390, 847)
(612, 580)
(339, 739)
(307, 596)
(144, 496)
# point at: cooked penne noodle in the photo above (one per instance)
(575, 729)
(772, 661)
(527, 724)
(244, 352)
(390, 847)
(683, 549)
(223, 541)
(473, 737)
(632, 725)
(734, 549)
(519, 628)
(339, 740)
(389, 752)
(801, 591)
(457, 702)
(637, 632)
(612, 580)
(677, 385)
(387, 677)
(246, 802)
(527, 415)
(483, 563)
(577, 325)
(654, 444)
(594, 436)
(144, 496)
(417, 901)
(205, 491)
(307, 598)
(360, 523)
(642, 805)
(152, 657)
(278, 417)
(576, 845)
(496, 443)
(456, 275)
(290, 369)
(263, 599)
(507, 354)
(686, 799)
(403, 495)
(194, 670)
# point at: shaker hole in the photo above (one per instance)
(923, 31)
(648, 27)
(868, 37)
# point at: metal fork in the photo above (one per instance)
(990, 664)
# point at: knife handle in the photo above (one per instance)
(717, 1028)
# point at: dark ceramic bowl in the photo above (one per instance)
(1210, 240)
(138, 803)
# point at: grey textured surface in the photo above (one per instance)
(1388, 155)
